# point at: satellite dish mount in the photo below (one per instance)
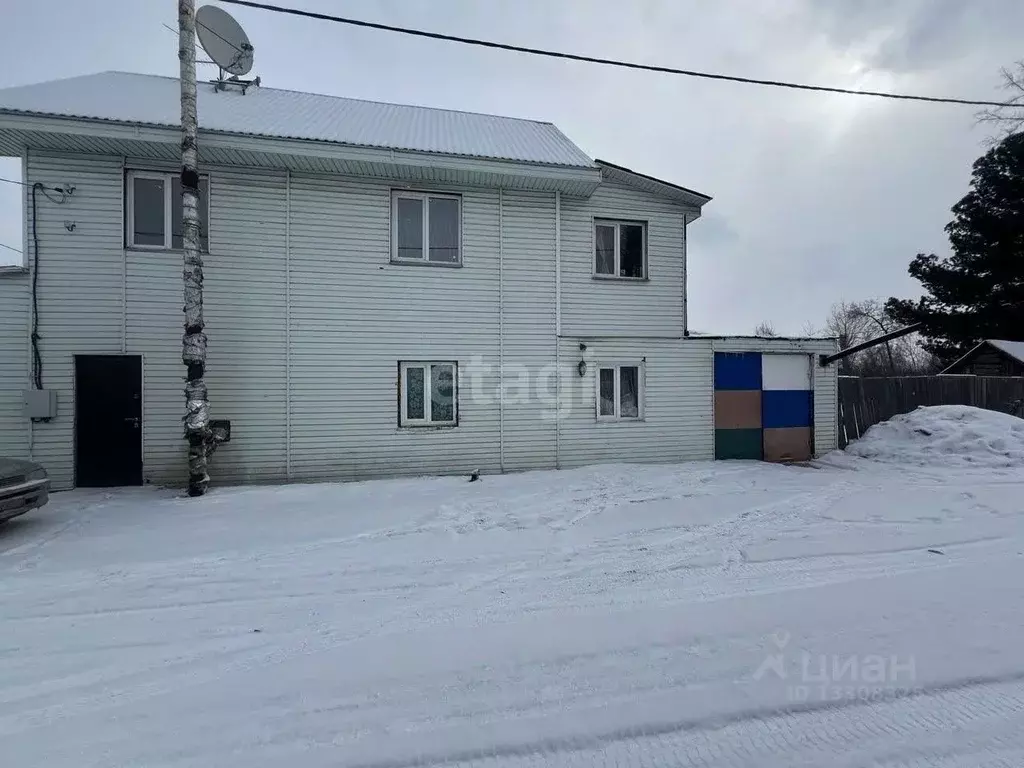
(227, 45)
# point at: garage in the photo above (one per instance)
(764, 406)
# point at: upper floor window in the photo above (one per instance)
(426, 228)
(620, 249)
(153, 217)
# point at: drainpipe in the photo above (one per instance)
(27, 256)
(287, 325)
(558, 327)
(686, 326)
(501, 330)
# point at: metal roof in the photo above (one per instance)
(124, 97)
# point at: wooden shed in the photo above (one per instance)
(992, 357)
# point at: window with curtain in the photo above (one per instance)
(620, 249)
(426, 228)
(619, 395)
(428, 394)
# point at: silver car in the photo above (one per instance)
(23, 486)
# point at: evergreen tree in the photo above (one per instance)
(978, 292)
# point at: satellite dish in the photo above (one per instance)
(224, 40)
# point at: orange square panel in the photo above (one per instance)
(737, 409)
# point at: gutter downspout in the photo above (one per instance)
(501, 331)
(28, 257)
(287, 325)
(686, 326)
(124, 281)
(558, 328)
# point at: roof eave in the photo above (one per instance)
(1000, 345)
(160, 134)
(961, 359)
(686, 197)
(993, 343)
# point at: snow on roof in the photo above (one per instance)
(126, 97)
(1014, 349)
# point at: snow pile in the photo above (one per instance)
(947, 436)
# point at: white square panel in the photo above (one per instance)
(785, 371)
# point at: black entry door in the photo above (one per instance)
(108, 420)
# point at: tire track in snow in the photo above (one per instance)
(969, 718)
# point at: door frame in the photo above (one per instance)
(142, 409)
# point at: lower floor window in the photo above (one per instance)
(428, 394)
(619, 393)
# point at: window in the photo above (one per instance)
(153, 211)
(619, 393)
(428, 394)
(426, 228)
(620, 249)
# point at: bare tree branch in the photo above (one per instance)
(857, 321)
(1008, 119)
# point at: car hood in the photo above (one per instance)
(9, 467)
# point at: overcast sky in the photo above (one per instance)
(817, 198)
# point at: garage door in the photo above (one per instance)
(763, 406)
(786, 407)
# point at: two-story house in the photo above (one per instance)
(389, 290)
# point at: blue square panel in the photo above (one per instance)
(737, 370)
(786, 408)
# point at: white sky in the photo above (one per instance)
(817, 198)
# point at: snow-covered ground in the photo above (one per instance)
(728, 614)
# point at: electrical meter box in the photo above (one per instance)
(40, 403)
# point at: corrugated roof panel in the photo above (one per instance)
(151, 100)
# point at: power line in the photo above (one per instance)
(222, 38)
(10, 248)
(40, 185)
(169, 28)
(612, 62)
(64, 192)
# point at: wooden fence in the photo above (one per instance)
(867, 401)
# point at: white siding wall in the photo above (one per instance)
(14, 363)
(245, 321)
(96, 298)
(80, 288)
(678, 408)
(596, 307)
(355, 315)
(826, 381)
(528, 307)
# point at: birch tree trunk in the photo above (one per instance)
(193, 353)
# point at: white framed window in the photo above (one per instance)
(620, 395)
(620, 249)
(426, 228)
(428, 394)
(153, 217)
